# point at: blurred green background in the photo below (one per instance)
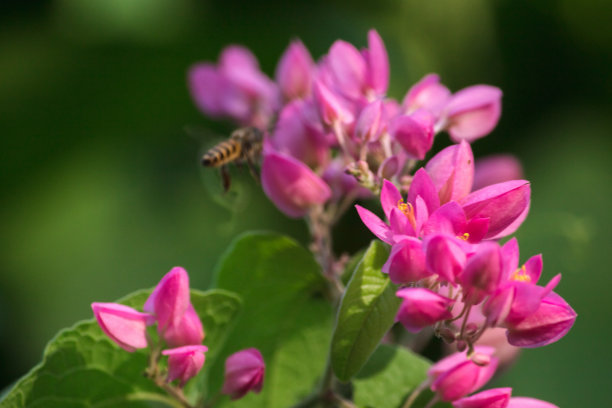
(102, 192)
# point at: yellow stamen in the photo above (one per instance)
(465, 236)
(408, 210)
(520, 275)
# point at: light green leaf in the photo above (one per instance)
(389, 377)
(366, 313)
(285, 316)
(82, 367)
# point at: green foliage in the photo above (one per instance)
(284, 316)
(388, 377)
(82, 367)
(367, 312)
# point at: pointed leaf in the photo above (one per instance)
(366, 313)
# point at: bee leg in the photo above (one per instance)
(252, 169)
(225, 178)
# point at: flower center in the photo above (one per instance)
(408, 210)
(464, 237)
(520, 275)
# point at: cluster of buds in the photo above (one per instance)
(179, 328)
(334, 134)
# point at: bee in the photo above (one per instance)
(243, 146)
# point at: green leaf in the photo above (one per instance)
(285, 316)
(387, 379)
(82, 367)
(366, 313)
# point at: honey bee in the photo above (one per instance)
(243, 146)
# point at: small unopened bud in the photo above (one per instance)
(184, 362)
(244, 371)
(447, 335)
(461, 345)
(470, 329)
(389, 168)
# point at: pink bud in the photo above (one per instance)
(170, 299)
(444, 257)
(496, 337)
(421, 308)
(496, 169)
(184, 362)
(378, 63)
(347, 68)
(291, 185)
(456, 376)
(494, 398)
(414, 133)
(523, 402)
(207, 87)
(428, 94)
(331, 106)
(188, 330)
(341, 183)
(371, 122)
(553, 319)
(299, 133)
(452, 172)
(505, 204)
(406, 263)
(294, 71)
(244, 371)
(473, 112)
(482, 273)
(124, 325)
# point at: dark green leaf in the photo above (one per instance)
(285, 316)
(388, 377)
(366, 313)
(81, 367)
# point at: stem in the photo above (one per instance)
(415, 394)
(432, 402)
(213, 401)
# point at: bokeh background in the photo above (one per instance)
(101, 191)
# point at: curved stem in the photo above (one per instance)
(415, 394)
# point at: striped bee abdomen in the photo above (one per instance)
(223, 153)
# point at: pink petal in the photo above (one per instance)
(378, 63)
(523, 402)
(427, 94)
(473, 112)
(294, 71)
(122, 324)
(170, 298)
(331, 107)
(414, 133)
(422, 186)
(494, 398)
(406, 263)
(291, 185)
(390, 197)
(452, 172)
(371, 122)
(421, 308)
(348, 68)
(505, 204)
(444, 257)
(244, 372)
(374, 224)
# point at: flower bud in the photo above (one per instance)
(414, 133)
(124, 325)
(456, 376)
(553, 319)
(170, 299)
(428, 94)
(482, 273)
(473, 112)
(291, 185)
(331, 107)
(184, 362)
(347, 68)
(452, 172)
(244, 371)
(378, 64)
(188, 330)
(371, 122)
(294, 71)
(494, 398)
(406, 263)
(421, 308)
(444, 257)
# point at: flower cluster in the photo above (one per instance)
(334, 116)
(179, 327)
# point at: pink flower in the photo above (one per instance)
(371, 122)
(553, 319)
(457, 375)
(452, 172)
(482, 273)
(496, 169)
(235, 88)
(473, 112)
(493, 398)
(377, 62)
(421, 308)
(406, 263)
(291, 185)
(177, 322)
(184, 362)
(295, 71)
(244, 371)
(414, 133)
(332, 108)
(124, 325)
(347, 69)
(427, 94)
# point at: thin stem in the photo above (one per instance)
(432, 402)
(465, 319)
(415, 394)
